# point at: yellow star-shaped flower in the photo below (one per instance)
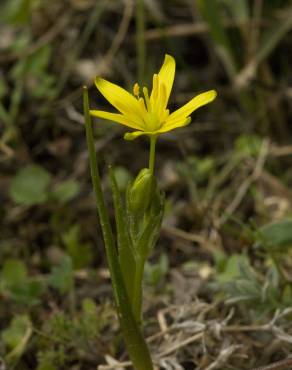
(148, 115)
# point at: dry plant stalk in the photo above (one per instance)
(279, 365)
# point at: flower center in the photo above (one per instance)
(153, 108)
(152, 122)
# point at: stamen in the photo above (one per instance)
(142, 105)
(155, 86)
(145, 92)
(163, 96)
(165, 115)
(136, 90)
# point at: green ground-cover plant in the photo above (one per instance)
(139, 212)
(263, 291)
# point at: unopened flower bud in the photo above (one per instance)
(141, 192)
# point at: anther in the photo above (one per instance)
(136, 90)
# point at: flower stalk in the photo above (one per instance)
(135, 342)
(153, 139)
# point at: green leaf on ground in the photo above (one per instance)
(80, 252)
(277, 236)
(62, 275)
(65, 191)
(30, 185)
(16, 283)
(16, 337)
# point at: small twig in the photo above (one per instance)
(279, 365)
(181, 344)
(181, 30)
(279, 151)
(192, 237)
(116, 365)
(162, 322)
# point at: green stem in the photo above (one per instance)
(153, 140)
(135, 342)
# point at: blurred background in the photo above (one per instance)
(224, 258)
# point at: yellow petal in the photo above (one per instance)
(115, 117)
(117, 95)
(166, 75)
(197, 102)
(175, 124)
